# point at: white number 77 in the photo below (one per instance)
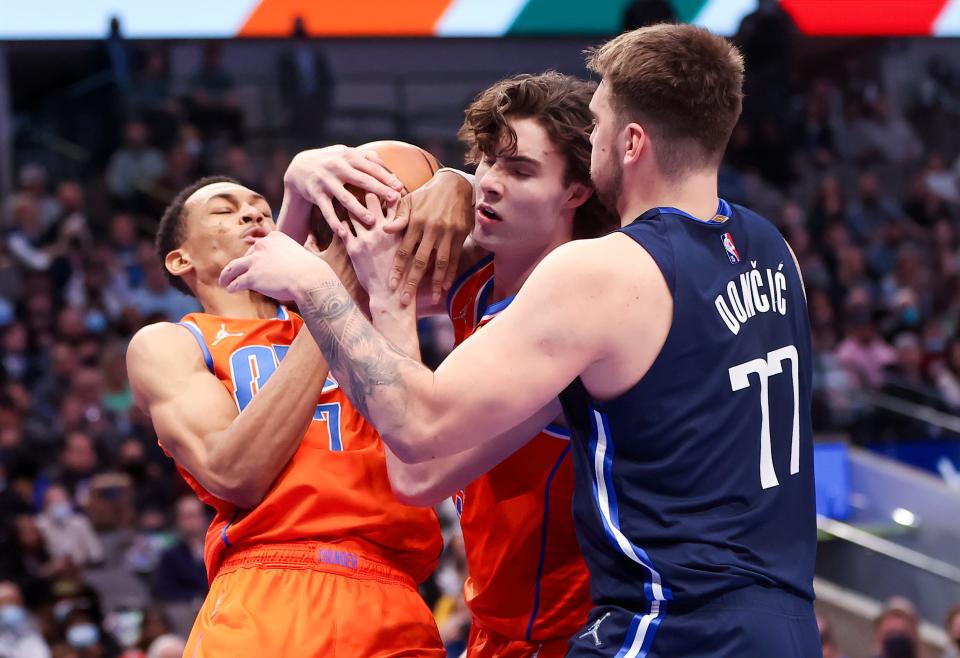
(765, 368)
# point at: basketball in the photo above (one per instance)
(411, 164)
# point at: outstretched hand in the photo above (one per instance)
(318, 177)
(277, 267)
(436, 217)
(372, 250)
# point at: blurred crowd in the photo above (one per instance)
(100, 540)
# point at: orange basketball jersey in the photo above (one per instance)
(335, 488)
(528, 580)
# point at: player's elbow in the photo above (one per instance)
(414, 491)
(243, 497)
(241, 492)
(412, 446)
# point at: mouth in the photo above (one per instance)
(486, 215)
(253, 234)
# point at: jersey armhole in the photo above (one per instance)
(463, 278)
(198, 335)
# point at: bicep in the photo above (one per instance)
(427, 483)
(186, 403)
(549, 334)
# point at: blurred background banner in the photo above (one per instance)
(65, 19)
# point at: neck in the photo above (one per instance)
(512, 269)
(695, 193)
(247, 305)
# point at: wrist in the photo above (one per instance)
(317, 275)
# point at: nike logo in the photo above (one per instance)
(224, 334)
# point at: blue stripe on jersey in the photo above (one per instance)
(463, 278)
(557, 432)
(481, 301)
(282, 312)
(543, 540)
(195, 330)
(223, 531)
(723, 210)
(643, 628)
(605, 496)
(496, 307)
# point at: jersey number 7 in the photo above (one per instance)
(253, 365)
(764, 369)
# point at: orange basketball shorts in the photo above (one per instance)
(310, 600)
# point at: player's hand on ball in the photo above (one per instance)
(320, 176)
(437, 217)
(277, 267)
(372, 250)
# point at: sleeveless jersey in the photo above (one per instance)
(698, 480)
(335, 488)
(527, 579)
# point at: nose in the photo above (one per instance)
(491, 184)
(249, 213)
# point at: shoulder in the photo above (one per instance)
(599, 265)
(162, 344)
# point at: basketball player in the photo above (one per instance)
(680, 348)
(308, 538)
(528, 588)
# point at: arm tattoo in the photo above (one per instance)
(367, 366)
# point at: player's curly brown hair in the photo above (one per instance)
(557, 102)
(680, 82)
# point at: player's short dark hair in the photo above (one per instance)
(682, 83)
(172, 231)
(560, 104)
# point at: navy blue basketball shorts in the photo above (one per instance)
(750, 623)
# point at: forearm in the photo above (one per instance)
(392, 390)
(413, 484)
(249, 454)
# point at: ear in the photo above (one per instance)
(634, 141)
(578, 194)
(178, 262)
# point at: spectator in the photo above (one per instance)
(27, 241)
(78, 459)
(135, 167)
(181, 576)
(306, 87)
(896, 634)
(68, 534)
(214, 106)
(33, 187)
(19, 637)
(863, 353)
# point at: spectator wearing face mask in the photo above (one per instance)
(67, 533)
(896, 633)
(18, 633)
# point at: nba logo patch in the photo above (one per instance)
(730, 248)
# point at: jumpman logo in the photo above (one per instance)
(593, 629)
(223, 333)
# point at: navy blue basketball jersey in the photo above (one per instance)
(698, 480)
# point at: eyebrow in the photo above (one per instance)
(521, 159)
(232, 198)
